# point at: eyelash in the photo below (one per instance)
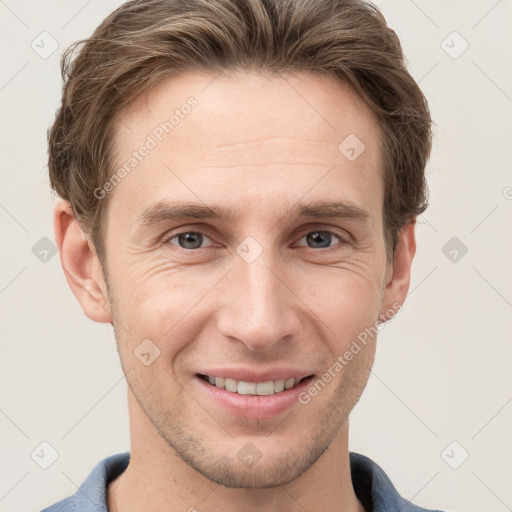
(342, 239)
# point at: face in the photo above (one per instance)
(244, 245)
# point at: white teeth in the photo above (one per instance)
(289, 383)
(252, 388)
(231, 385)
(265, 388)
(279, 385)
(246, 388)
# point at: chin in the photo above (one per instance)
(229, 472)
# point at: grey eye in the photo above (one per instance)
(320, 239)
(188, 240)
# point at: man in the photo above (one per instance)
(239, 184)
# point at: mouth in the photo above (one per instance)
(251, 393)
(240, 387)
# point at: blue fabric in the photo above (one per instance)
(372, 487)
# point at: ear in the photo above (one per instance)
(398, 274)
(80, 263)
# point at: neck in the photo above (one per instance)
(157, 479)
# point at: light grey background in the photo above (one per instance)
(442, 371)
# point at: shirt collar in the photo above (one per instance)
(372, 486)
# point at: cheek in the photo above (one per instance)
(344, 296)
(347, 305)
(143, 286)
(161, 302)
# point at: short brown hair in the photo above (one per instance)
(144, 41)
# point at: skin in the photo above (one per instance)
(257, 145)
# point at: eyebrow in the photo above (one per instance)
(164, 211)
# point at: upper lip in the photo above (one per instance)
(252, 375)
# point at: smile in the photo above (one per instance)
(241, 387)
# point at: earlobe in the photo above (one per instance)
(399, 272)
(80, 264)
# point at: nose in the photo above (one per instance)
(259, 308)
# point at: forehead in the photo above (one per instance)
(250, 136)
(261, 104)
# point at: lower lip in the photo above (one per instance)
(253, 406)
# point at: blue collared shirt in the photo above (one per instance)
(372, 486)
